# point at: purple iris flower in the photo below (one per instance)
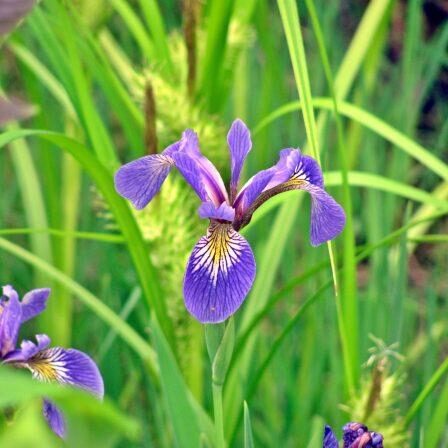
(65, 366)
(356, 435)
(221, 268)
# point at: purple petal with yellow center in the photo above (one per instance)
(219, 274)
(198, 171)
(34, 302)
(27, 350)
(223, 212)
(10, 319)
(67, 366)
(55, 418)
(330, 440)
(240, 144)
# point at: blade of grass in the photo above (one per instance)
(126, 332)
(122, 214)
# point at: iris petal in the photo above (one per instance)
(330, 440)
(240, 144)
(327, 216)
(10, 319)
(198, 171)
(67, 366)
(294, 171)
(219, 274)
(55, 418)
(34, 302)
(28, 349)
(209, 210)
(140, 180)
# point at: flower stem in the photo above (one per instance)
(218, 414)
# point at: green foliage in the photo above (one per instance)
(361, 88)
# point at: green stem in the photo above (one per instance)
(218, 414)
(430, 385)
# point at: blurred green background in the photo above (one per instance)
(114, 80)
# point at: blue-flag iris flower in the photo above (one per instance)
(221, 268)
(356, 435)
(65, 366)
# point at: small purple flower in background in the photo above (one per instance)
(356, 435)
(221, 268)
(65, 366)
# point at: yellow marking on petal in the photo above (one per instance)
(47, 366)
(218, 251)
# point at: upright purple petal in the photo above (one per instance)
(27, 350)
(34, 302)
(330, 440)
(223, 212)
(240, 144)
(219, 274)
(67, 366)
(203, 176)
(55, 418)
(140, 180)
(10, 319)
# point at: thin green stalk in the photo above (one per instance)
(349, 302)
(429, 387)
(218, 415)
(101, 237)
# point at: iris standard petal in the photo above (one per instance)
(204, 172)
(223, 212)
(219, 274)
(67, 366)
(240, 144)
(34, 302)
(54, 417)
(27, 350)
(140, 180)
(330, 440)
(10, 319)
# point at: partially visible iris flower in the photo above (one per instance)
(64, 366)
(221, 268)
(356, 435)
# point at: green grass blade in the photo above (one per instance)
(126, 332)
(122, 214)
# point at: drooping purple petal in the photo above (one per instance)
(198, 171)
(67, 366)
(27, 350)
(10, 318)
(240, 144)
(34, 302)
(54, 417)
(327, 216)
(376, 440)
(209, 210)
(330, 440)
(293, 164)
(140, 180)
(219, 274)
(294, 171)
